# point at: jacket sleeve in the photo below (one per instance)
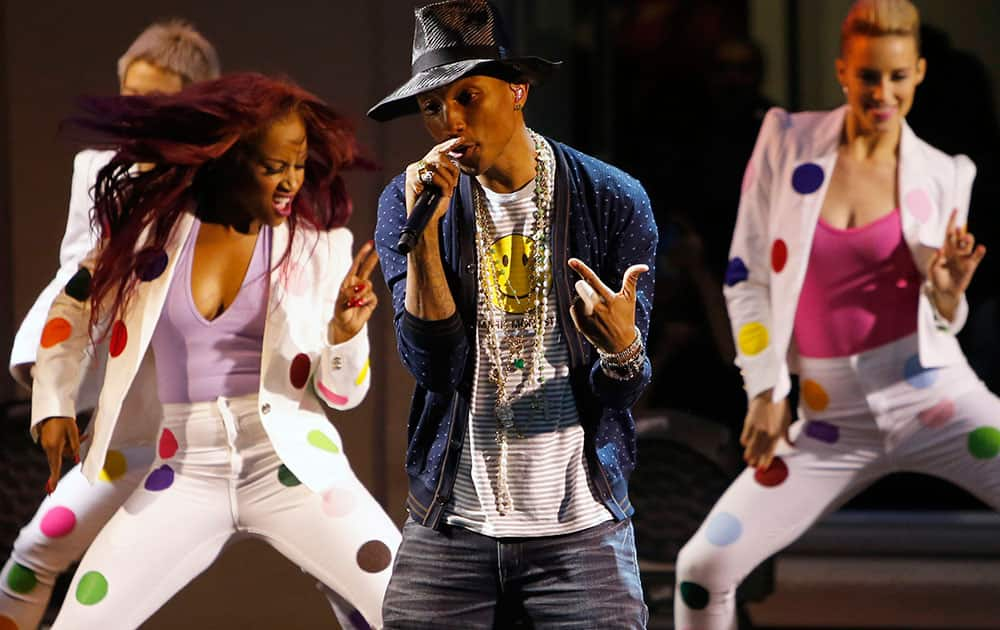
(634, 242)
(435, 352)
(64, 352)
(78, 240)
(748, 274)
(343, 375)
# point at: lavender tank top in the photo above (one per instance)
(860, 291)
(198, 360)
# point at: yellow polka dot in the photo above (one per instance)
(363, 373)
(115, 465)
(814, 395)
(752, 338)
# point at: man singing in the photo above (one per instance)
(521, 439)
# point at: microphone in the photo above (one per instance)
(423, 210)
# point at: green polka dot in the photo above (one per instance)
(287, 477)
(93, 587)
(694, 595)
(21, 579)
(984, 443)
(322, 441)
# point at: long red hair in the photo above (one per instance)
(187, 136)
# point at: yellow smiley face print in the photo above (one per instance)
(513, 275)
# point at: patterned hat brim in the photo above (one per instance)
(401, 102)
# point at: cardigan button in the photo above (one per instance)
(265, 408)
(470, 268)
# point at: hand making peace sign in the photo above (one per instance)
(356, 299)
(952, 265)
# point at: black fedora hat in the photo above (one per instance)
(454, 39)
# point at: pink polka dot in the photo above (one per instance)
(339, 502)
(298, 373)
(938, 415)
(748, 178)
(119, 338)
(779, 255)
(58, 522)
(919, 203)
(330, 395)
(168, 444)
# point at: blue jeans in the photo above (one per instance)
(455, 578)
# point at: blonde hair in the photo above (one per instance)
(173, 45)
(875, 18)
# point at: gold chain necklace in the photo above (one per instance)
(538, 266)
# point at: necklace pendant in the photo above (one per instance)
(519, 363)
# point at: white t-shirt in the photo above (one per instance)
(547, 474)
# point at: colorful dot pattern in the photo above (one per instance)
(736, 272)
(58, 522)
(919, 204)
(723, 529)
(56, 331)
(168, 446)
(115, 466)
(150, 264)
(119, 339)
(322, 441)
(938, 415)
(917, 375)
(287, 478)
(823, 431)
(299, 371)
(374, 557)
(774, 475)
(160, 479)
(695, 596)
(339, 502)
(815, 396)
(807, 178)
(779, 255)
(752, 338)
(78, 286)
(329, 394)
(363, 373)
(21, 579)
(984, 443)
(92, 588)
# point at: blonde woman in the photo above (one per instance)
(849, 266)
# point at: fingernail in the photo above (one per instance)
(48, 486)
(352, 302)
(76, 459)
(371, 243)
(358, 287)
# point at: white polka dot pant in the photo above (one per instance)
(61, 530)
(862, 417)
(217, 479)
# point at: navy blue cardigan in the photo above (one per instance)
(601, 216)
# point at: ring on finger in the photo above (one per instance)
(425, 172)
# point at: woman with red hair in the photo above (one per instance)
(225, 285)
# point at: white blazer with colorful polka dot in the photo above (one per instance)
(783, 190)
(298, 365)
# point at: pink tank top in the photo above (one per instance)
(860, 292)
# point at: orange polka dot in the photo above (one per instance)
(6, 623)
(815, 396)
(56, 331)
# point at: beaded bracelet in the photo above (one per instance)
(624, 365)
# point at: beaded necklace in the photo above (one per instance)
(535, 317)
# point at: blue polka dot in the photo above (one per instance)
(807, 178)
(917, 375)
(724, 529)
(150, 264)
(736, 272)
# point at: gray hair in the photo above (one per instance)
(173, 45)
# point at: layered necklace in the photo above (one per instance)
(506, 352)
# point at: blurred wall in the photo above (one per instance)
(352, 54)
